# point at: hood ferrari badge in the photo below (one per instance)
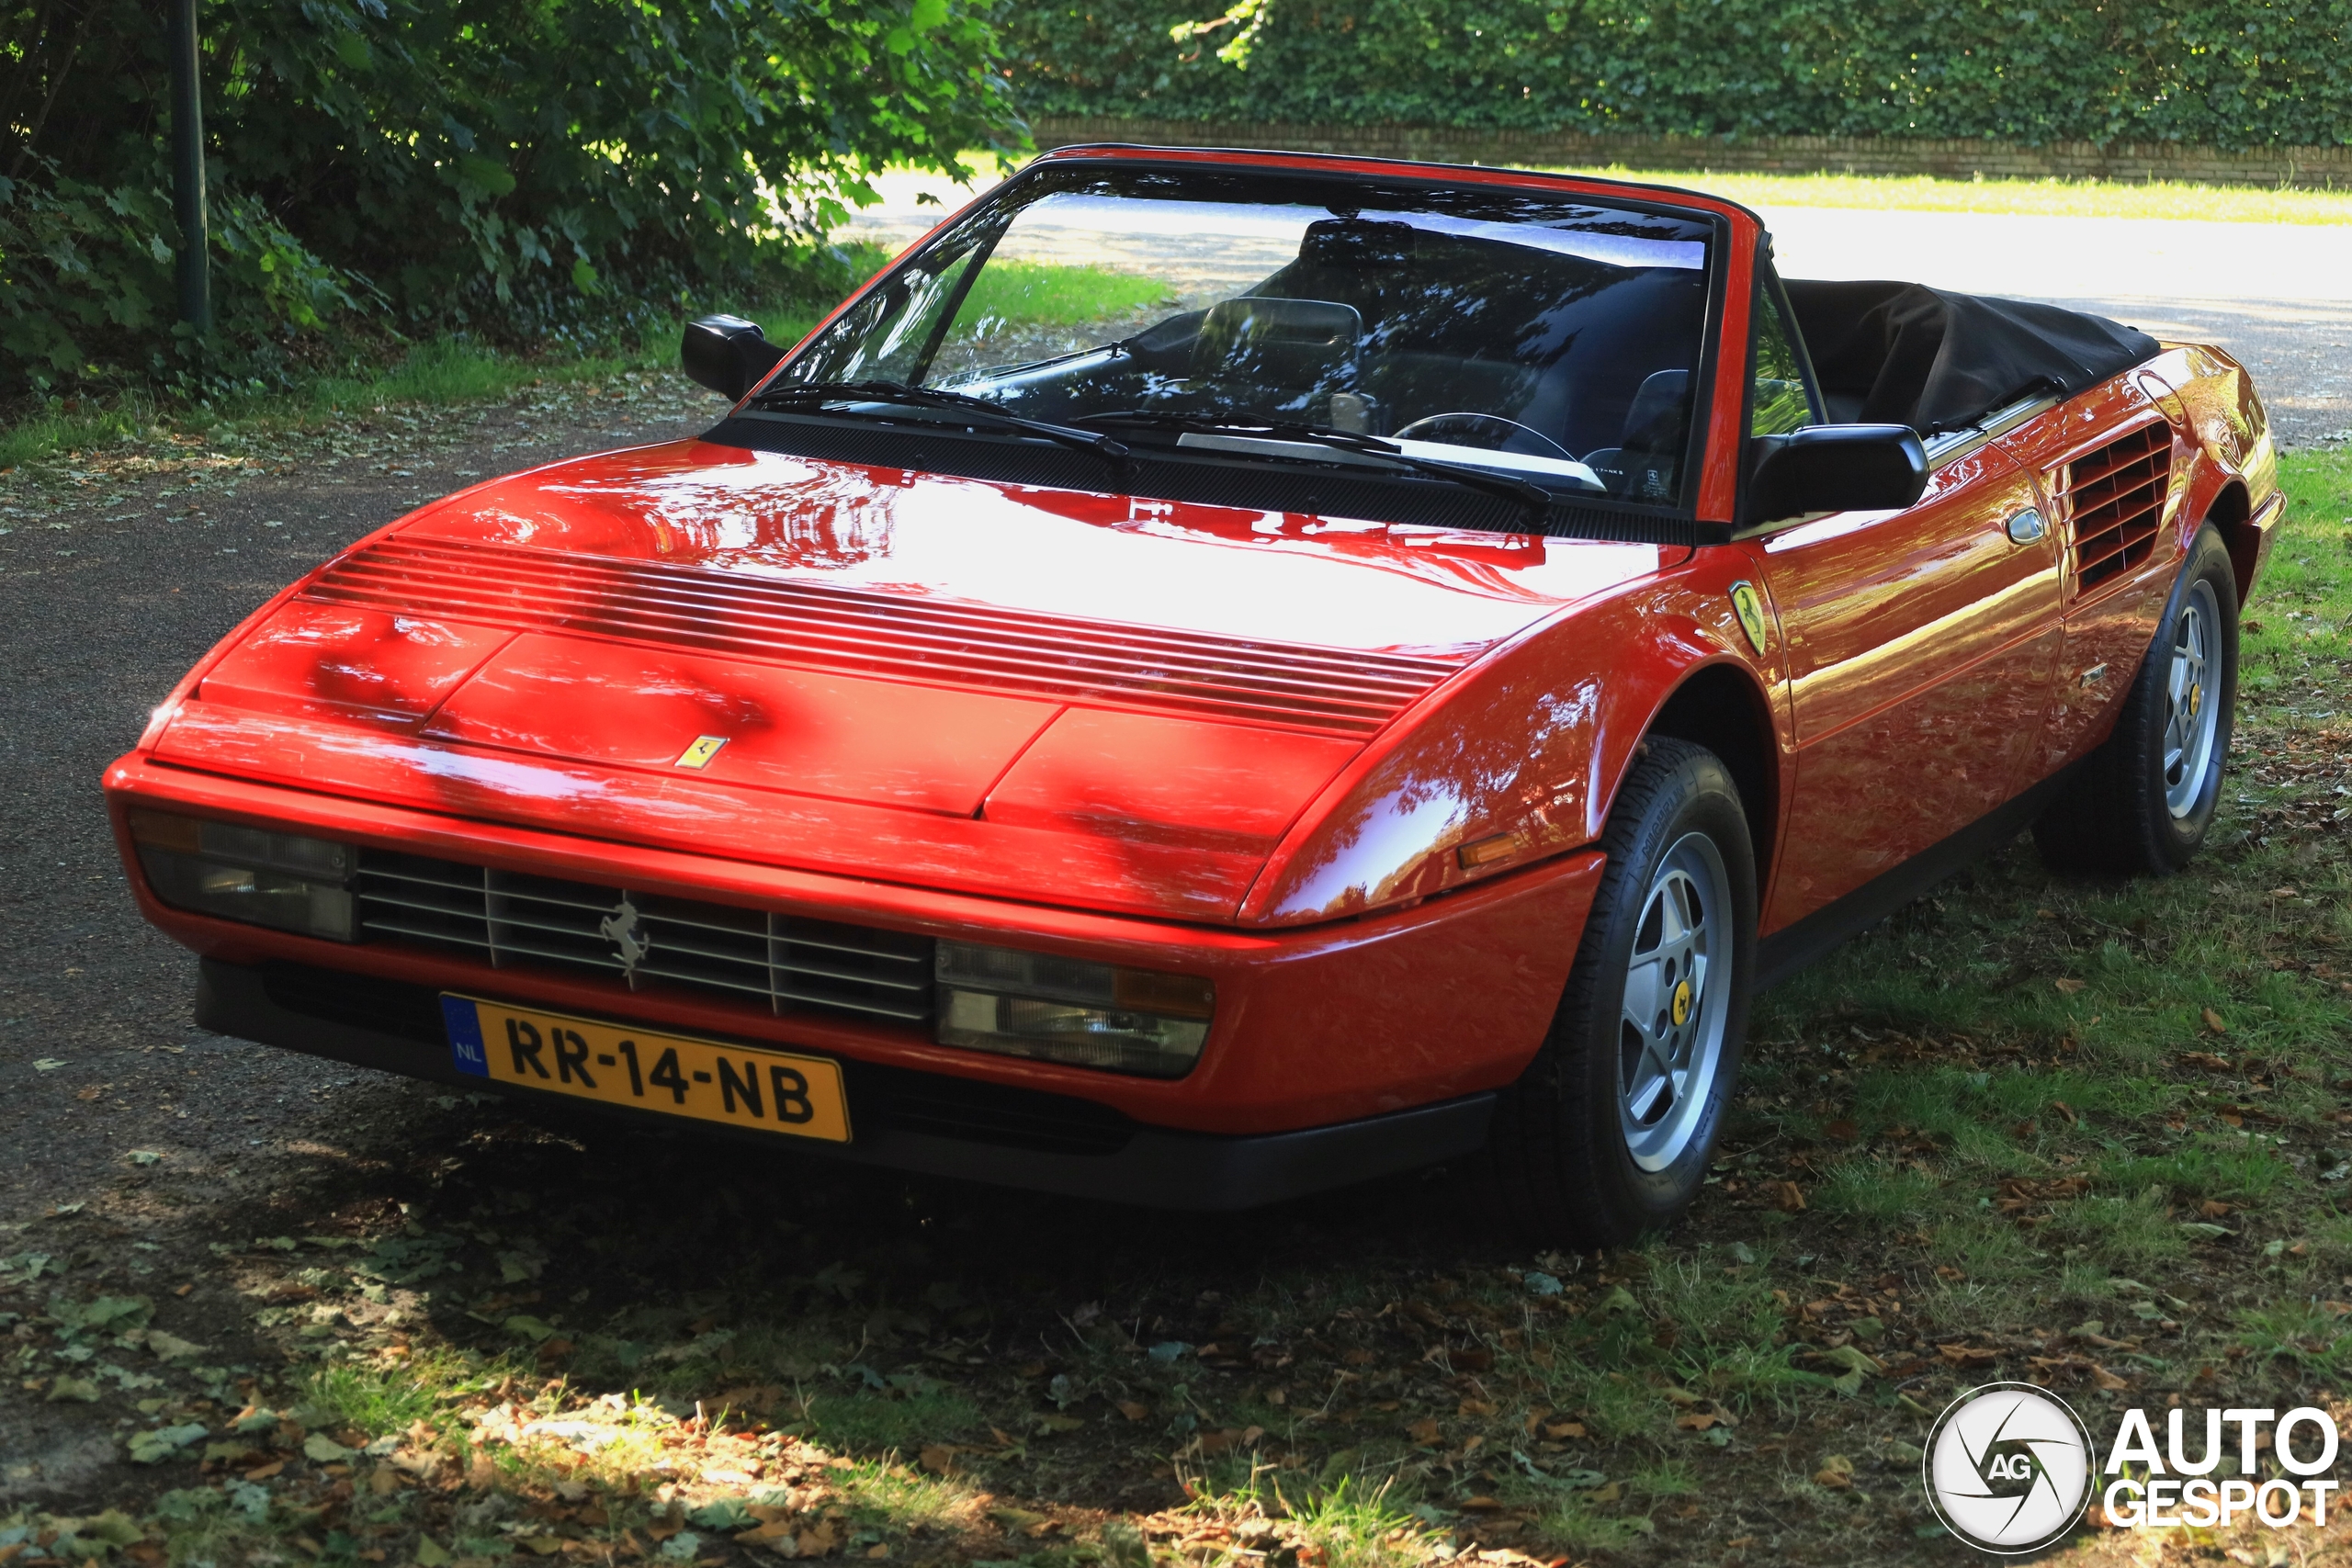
(1750, 611)
(699, 754)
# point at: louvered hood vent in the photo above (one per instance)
(2110, 500)
(890, 636)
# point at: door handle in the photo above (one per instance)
(2027, 527)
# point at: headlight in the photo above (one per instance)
(1067, 1009)
(263, 878)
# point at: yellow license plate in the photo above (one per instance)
(674, 1074)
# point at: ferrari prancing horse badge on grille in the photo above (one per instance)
(1744, 604)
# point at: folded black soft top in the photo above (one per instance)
(1906, 353)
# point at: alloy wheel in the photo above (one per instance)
(2193, 713)
(1670, 1032)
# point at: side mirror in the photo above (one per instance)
(726, 353)
(1835, 468)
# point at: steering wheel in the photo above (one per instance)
(1467, 417)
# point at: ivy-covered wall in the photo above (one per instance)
(2228, 74)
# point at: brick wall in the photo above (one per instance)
(2317, 167)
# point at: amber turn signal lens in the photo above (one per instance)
(165, 831)
(1489, 851)
(1182, 996)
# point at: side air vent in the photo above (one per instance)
(775, 963)
(2110, 500)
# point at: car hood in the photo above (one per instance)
(1068, 697)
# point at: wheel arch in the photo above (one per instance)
(2231, 512)
(1721, 708)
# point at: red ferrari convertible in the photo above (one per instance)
(1222, 675)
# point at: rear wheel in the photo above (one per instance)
(1608, 1135)
(2144, 800)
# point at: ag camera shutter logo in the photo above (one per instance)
(2009, 1467)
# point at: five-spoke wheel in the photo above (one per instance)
(1670, 1034)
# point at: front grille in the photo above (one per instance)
(2110, 500)
(778, 963)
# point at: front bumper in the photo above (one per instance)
(1316, 1026)
(923, 1122)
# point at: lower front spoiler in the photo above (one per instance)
(1151, 1167)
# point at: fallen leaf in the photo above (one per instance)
(1424, 1431)
(1697, 1420)
(1837, 1472)
(171, 1347)
(165, 1442)
(2213, 1021)
(322, 1450)
(1133, 1410)
(1563, 1431)
(1854, 1360)
(2063, 1109)
(938, 1459)
(1842, 1130)
(1786, 1196)
(1611, 1493)
(2106, 1379)
(80, 1390)
(46, 1064)
(2205, 1061)
(145, 1157)
(2069, 986)
(2212, 1208)
(87, 1095)
(263, 1473)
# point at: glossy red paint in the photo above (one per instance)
(1223, 743)
(1927, 635)
(1444, 1000)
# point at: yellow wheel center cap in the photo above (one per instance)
(1682, 1003)
(2196, 699)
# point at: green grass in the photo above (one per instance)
(2047, 197)
(1022, 293)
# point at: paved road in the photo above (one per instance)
(2277, 295)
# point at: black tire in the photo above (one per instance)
(1563, 1152)
(2127, 811)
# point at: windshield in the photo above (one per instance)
(1537, 335)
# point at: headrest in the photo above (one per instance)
(1281, 343)
(1655, 420)
(1356, 242)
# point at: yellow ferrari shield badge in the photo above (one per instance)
(1750, 611)
(699, 754)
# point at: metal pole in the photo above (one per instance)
(188, 170)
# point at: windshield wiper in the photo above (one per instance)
(1525, 492)
(933, 398)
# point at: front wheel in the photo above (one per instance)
(1607, 1135)
(2145, 799)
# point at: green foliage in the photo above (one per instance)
(517, 167)
(2225, 73)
